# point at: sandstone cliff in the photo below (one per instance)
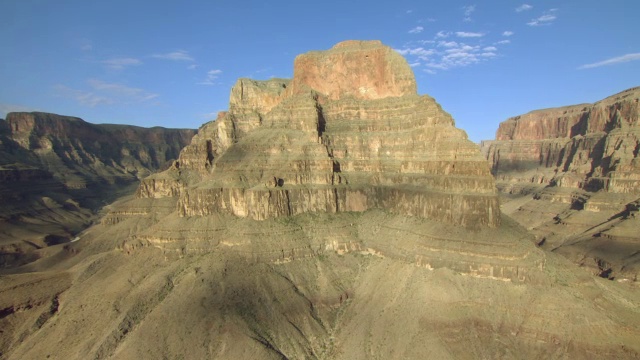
(590, 146)
(571, 175)
(347, 133)
(56, 171)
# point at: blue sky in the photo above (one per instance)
(172, 63)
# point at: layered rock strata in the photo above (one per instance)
(571, 175)
(57, 171)
(590, 146)
(347, 133)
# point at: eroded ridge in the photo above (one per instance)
(347, 133)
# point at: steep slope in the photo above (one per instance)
(57, 171)
(579, 172)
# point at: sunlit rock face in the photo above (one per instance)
(347, 133)
(590, 146)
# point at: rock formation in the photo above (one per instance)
(316, 221)
(590, 146)
(572, 176)
(56, 171)
(347, 133)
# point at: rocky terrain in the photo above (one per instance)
(336, 215)
(57, 171)
(571, 175)
(333, 139)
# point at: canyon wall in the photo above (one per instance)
(590, 146)
(57, 171)
(571, 176)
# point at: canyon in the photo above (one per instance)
(571, 176)
(334, 215)
(56, 172)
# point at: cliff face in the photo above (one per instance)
(571, 175)
(55, 171)
(591, 146)
(347, 133)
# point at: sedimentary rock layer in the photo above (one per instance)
(56, 171)
(347, 133)
(589, 146)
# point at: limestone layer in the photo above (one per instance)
(590, 146)
(347, 133)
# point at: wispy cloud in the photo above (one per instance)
(545, 19)
(524, 7)
(409, 11)
(104, 93)
(464, 34)
(443, 34)
(212, 75)
(468, 10)
(420, 52)
(7, 108)
(192, 67)
(613, 61)
(121, 63)
(179, 55)
(507, 33)
(416, 30)
(87, 98)
(86, 45)
(447, 55)
(502, 42)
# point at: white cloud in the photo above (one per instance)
(545, 19)
(420, 52)
(613, 61)
(212, 75)
(501, 42)
(490, 48)
(507, 33)
(121, 63)
(192, 67)
(524, 7)
(464, 34)
(442, 34)
(414, 64)
(416, 30)
(448, 44)
(468, 10)
(179, 55)
(104, 93)
(429, 71)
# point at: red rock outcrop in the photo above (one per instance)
(588, 146)
(347, 133)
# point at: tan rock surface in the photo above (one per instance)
(203, 262)
(570, 175)
(57, 171)
(347, 133)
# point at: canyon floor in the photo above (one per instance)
(327, 286)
